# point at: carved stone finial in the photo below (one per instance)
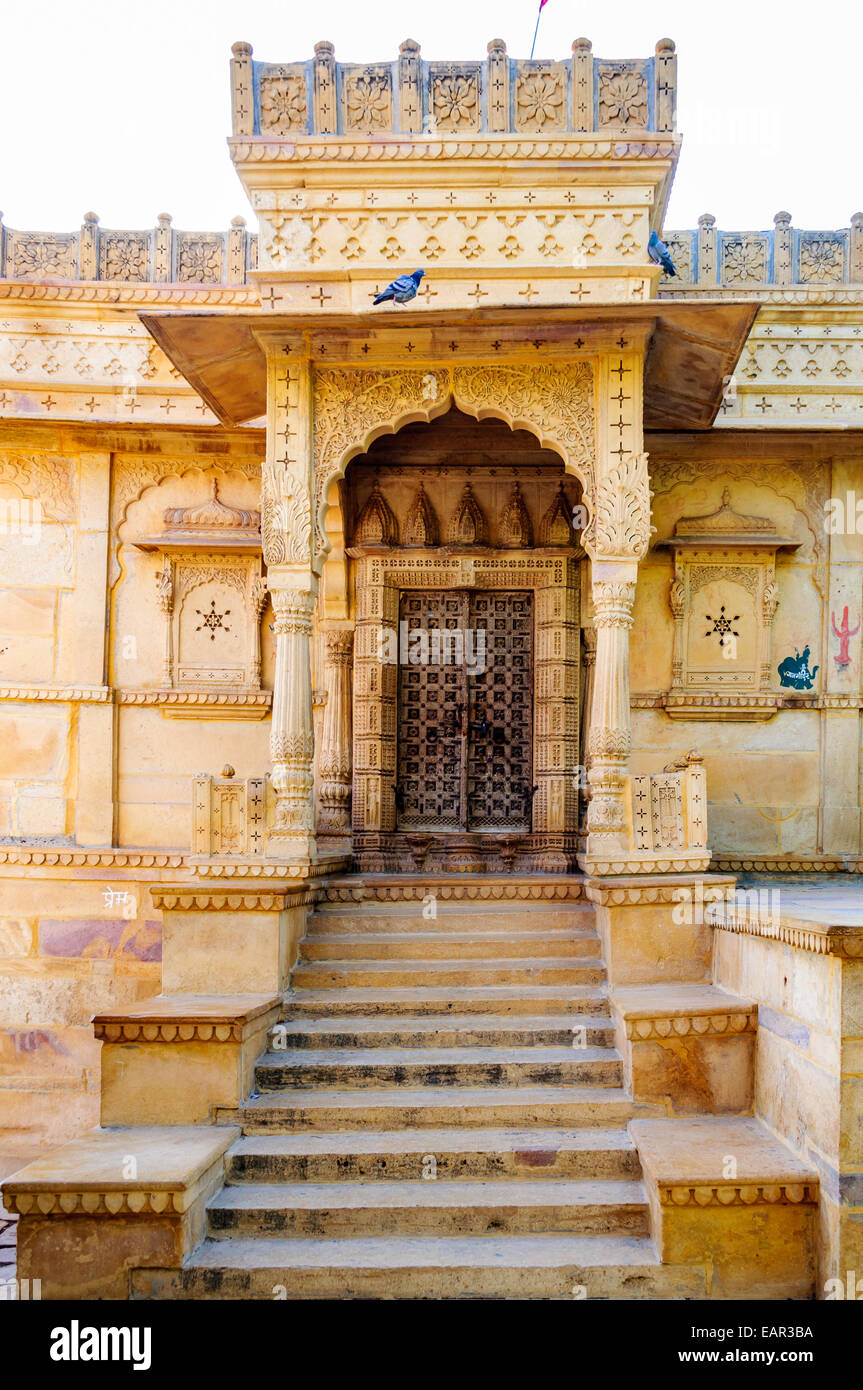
(421, 526)
(467, 524)
(556, 525)
(228, 771)
(856, 219)
(707, 220)
(515, 531)
(582, 46)
(665, 46)
(409, 46)
(241, 49)
(496, 46)
(164, 219)
(238, 221)
(376, 523)
(324, 49)
(92, 218)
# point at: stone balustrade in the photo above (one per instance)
(160, 255)
(408, 96)
(711, 260)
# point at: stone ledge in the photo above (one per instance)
(174, 1165)
(408, 888)
(628, 891)
(627, 862)
(823, 939)
(204, 898)
(188, 1018)
(683, 1161)
(665, 1012)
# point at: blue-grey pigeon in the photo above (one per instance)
(658, 253)
(402, 290)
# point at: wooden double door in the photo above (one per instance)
(465, 711)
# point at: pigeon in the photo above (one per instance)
(658, 253)
(402, 290)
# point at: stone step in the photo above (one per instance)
(418, 1208)
(370, 974)
(430, 1107)
(477, 917)
(518, 1267)
(447, 1153)
(463, 945)
(453, 1066)
(465, 1030)
(506, 1001)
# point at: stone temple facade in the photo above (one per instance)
(431, 731)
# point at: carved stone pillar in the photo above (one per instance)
(615, 539)
(609, 741)
(165, 595)
(286, 534)
(292, 739)
(334, 761)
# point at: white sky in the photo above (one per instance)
(123, 108)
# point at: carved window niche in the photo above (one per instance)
(723, 598)
(211, 593)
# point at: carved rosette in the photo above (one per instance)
(334, 761)
(515, 531)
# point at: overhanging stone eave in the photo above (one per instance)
(692, 350)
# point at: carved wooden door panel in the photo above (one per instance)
(432, 701)
(500, 727)
(465, 726)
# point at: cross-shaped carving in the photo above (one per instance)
(271, 299)
(620, 452)
(528, 291)
(167, 405)
(427, 292)
(580, 292)
(619, 371)
(320, 296)
(763, 405)
(530, 197)
(797, 405)
(477, 293)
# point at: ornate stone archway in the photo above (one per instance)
(585, 406)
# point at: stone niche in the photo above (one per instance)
(723, 598)
(460, 484)
(211, 592)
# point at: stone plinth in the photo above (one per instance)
(727, 1196)
(170, 1061)
(689, 1047)
(112, 1202)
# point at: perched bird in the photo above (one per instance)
(658, 253)
(402, 290)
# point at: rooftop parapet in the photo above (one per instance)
(710, 260)
(409, 96)
(161, 255)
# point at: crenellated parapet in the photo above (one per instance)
(408, 96)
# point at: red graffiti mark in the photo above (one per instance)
(844, 633)
(536, 1158)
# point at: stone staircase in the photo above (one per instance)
(441, 1114)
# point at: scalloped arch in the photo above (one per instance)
(552, 401)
